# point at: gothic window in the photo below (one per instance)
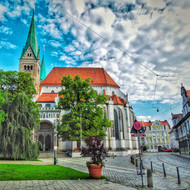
(31, 67)
(24, 67)
(48, 105)
(116, 124)
(121, 121)
(28, 67)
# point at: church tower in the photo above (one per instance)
(30, 57)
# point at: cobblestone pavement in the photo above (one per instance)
(171, 161)
(120, 170)
(62, 184)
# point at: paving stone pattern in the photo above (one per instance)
(62, 185)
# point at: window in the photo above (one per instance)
(48, 105)
(24, 67)
(31, 67)
(52, 91)
(116, 124)
(40, 105)
(28, 67)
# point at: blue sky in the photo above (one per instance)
(154, 33)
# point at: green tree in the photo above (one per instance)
(19, 115)
(82, 105)
(2, 113)
(13, 82)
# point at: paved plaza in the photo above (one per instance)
(120, 170)
(120, 174)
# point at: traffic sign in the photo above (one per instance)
(137, 125)
(138, 135)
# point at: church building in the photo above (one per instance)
(117, 108)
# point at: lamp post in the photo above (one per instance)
(55, 143)
(80, 131)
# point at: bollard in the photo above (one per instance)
(164, 171)
(151, 166)
(178, 176)
(136, 162)
(149, 178)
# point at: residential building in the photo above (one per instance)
(116, 108)
(157, 134)
(181, 123)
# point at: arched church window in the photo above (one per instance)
(28, 67)
(116, 124)
(121, 121)
(31, 67)
(24, 67)
(105, 115)
(48, 106)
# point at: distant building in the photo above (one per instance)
(157, 134)
(181, 123)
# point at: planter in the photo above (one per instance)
(95, 170)
(76, 154)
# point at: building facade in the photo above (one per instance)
(157, 134)
(116, 108)
(181, 123)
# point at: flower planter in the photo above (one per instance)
(95, 170)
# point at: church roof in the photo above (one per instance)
(47, 97)
(98, 76)
(43, 69)
(31, 40)
(117, 100)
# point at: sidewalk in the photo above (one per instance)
(182, 155)
(62, 185)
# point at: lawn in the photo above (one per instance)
(38, 172)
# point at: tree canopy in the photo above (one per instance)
(82, 104)
(19, 115)
(13, 82)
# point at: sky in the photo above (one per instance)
(142, 44)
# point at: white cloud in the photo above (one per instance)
(6, 45)
(144, 118)
(5, 30)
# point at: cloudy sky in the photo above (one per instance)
(142, 44)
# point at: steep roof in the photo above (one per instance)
(47, 97)
(146, 124)
(31, 40)
(175, 116)
(99, 77)
(117, 100)
(43, 69)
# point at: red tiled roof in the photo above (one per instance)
(117, 100)
(49, 97)
(147, 124)
(98, 76)
(188, 93)
(175, 116)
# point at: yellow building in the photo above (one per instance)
(157, 134)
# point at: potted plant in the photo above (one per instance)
(95, 149)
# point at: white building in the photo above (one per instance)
(181, 124)
(116, 109)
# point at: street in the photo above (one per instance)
(120, 170)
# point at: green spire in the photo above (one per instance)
(32, 40)
(43, 69)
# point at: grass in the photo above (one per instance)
(39, 172)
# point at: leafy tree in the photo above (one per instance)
(19, 115)
(82, 104)
(13, 82)
(2, 113)
(15, 132)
